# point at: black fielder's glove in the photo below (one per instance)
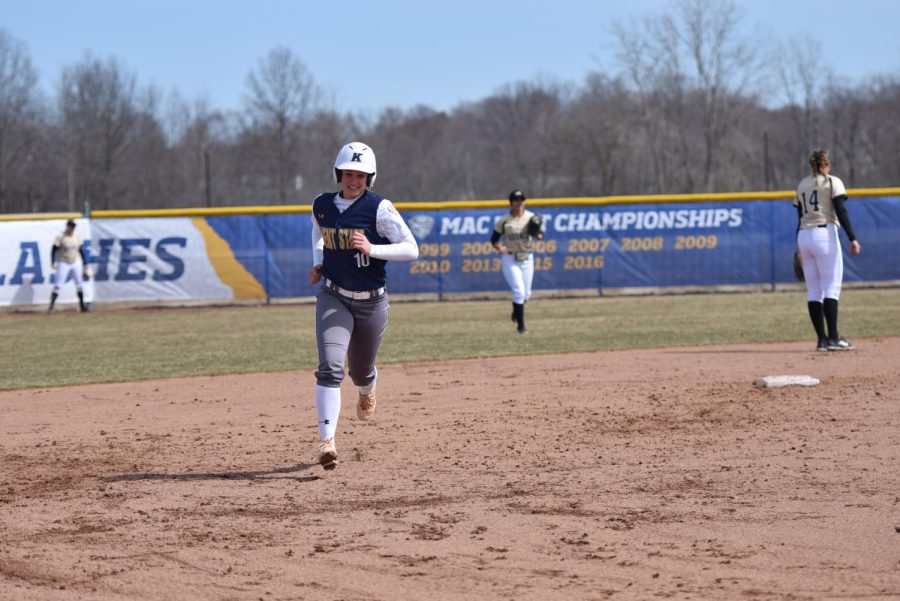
(798, 266)
(534, 225)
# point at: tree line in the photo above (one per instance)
(690, 109)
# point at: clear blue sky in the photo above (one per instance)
(402, 52)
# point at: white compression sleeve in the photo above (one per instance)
(318, 243)
(399, 251)
(390, 224)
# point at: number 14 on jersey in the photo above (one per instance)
(813, 200)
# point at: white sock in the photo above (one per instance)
(328, 409)
(370, 387)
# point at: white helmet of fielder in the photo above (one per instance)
(355, 156)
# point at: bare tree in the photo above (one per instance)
(683, 115)
(96, 102)
(281, 95)
(846, 109)
(803, 79)
(692, 70)
(17, 100)
(324, 133)
(595, 135)
(651, 63)
(515, 128)
(883, 125)
(197, 134)
(418, 166)
(465, 161)
(142, 177)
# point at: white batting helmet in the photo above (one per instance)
(355, 156)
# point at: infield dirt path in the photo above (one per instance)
(623, 475)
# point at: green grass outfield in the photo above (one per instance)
(40, 350)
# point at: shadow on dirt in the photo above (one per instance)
(273, 474)
(761, 351)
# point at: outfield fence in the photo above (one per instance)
(602, 244)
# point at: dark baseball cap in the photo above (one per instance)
(516, 195)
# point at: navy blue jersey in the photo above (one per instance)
(343, 264)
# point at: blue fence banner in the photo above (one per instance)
(262, 254)
(628, 246)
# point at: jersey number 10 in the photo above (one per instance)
(362, 260)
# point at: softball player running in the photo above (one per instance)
(518, 231)
(821, 211)
(67, 247)
(354, 233)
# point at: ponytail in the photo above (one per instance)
(817, 161)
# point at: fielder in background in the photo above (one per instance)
(67, 247)
(821, 211)
(513, 237)
(354, 233)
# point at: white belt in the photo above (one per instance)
(363, 295)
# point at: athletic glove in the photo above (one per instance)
(534, 225)
(798, 266)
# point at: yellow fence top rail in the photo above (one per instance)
(449, 205)
(38, 216)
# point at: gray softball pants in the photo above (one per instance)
(352, 329)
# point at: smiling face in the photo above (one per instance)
(353, 184)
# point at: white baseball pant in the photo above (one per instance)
(519, 275)
(64, 271)
(823, 263)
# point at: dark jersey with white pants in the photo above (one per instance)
(342, 264)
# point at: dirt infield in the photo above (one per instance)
(623, 475)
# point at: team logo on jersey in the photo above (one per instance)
(337, 238)
(421, 225)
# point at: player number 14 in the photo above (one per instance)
(813, 200)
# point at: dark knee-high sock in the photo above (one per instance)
(831, 317)
(816, 315)
(81, 301)
(519, 310)
(53, 296)
(513, 316)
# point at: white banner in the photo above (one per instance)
(26, 277)
(144, 259)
